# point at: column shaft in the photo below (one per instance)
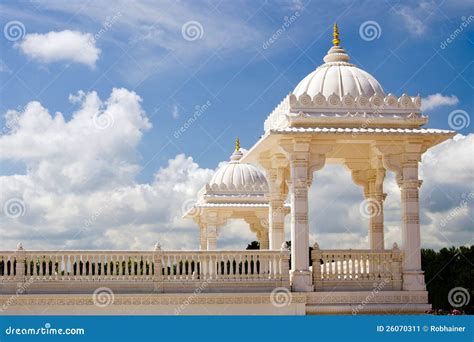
(276, 219)
(211, 237)
(413, 278)
(298, 189)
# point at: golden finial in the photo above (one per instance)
(335, 35)
(237, 144)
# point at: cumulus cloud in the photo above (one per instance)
(79, 187)
(56, 46)
(79, 190)
(447, 202)
(434, 101)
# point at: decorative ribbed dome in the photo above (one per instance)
(237, 175)
(338, 76)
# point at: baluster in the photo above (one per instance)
(371, 266)
(110, 266)
(204, 271)
(41, 266)
(333, 266)
(27, 269)
(81, 267)
(366, 266)
(210, 265)
(351, 267)
(78, 266)
(165, 265)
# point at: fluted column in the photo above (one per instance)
(276, 218)
(276, 168)
(212, 221)
(376, 218)
(403, 159)
(413, 277)
(298, 192)
(211, 237)
(202, 237)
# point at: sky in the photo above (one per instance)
(114, 115)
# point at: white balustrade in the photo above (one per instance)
(224, 265)
(356, 268)
(141, 271)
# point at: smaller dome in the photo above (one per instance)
(238, 175)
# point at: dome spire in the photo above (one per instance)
(336, 53)
(235, 157)
(335, 35)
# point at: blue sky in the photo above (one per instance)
(231, 67)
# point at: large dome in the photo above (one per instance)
(338, 76)
(237, 175)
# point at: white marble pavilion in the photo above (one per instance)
(338, 114)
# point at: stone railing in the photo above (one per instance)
(356, 269)
(147, 271)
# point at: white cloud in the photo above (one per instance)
(151, 32)
(80, 190)
(415, 18)
(434, 101)
(69, 46)
(447, 172)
